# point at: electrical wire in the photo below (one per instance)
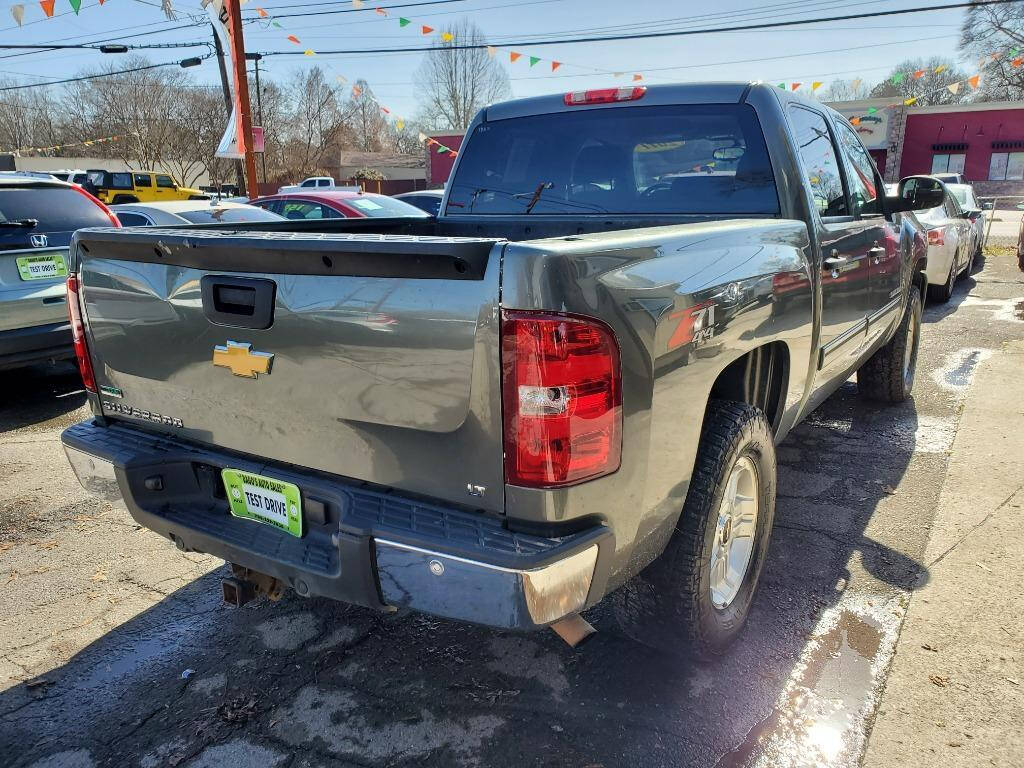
(100, 75)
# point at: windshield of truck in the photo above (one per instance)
(676, 159)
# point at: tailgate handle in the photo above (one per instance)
(238, 302)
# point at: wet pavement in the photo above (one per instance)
(117, 651)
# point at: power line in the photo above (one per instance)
(652, 35)
(106, 74)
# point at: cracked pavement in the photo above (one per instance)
(115, 649)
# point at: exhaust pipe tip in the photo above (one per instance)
(236, 592)
(574, 629)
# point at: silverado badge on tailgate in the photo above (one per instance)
(241, 360)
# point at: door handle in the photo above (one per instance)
(238, 302)
(876, 249)
(835, 260)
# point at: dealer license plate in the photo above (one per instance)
(264, 500)
(46, 266)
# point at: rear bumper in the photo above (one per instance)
(359, 545)
(38, 343)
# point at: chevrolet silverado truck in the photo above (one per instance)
(569, 383)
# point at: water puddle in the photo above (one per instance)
(819, 721)
(958, 371)
(1007, 310)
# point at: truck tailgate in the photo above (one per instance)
(371, 357)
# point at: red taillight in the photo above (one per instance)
(937, 236)
(78, 335)
(604, 96)
(102, 206)
(562, 399)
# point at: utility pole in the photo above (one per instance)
(257, 57)
(239, 175)
(234, 9)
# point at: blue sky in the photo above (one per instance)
(865, 48)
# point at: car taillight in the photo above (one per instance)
(78, 335)
(937, 236)
(604, 96)
(562, 397)
(101, 205)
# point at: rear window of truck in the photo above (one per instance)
(676, 159)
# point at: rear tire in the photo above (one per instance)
(943, 293)
(888, 375)
(118, 199)
(687, 600)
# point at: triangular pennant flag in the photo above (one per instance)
(941, 68)
(996, 55)
(357, 4)
(491, 51)
(513, 56)
(974, 81)
(953, 88)
(856, 83)
(618, 74)
(534, 60)
(261, 13)
(908, 102)
(309, 52)
(897, 78)
(555, 65)
(47, 6)
(1019, 61)
(293, 39)
(1014, 51)
(441, 149)
(385, 110)
(380, 12)
(872, 110)
(356, 91)
(816, 85)
(854, 121)
(447, 37)
(421, 136)
(341, 80)
(637, 78)
(452, 153)
(781, 86)
(426, 30)
(918, 74)
(403, 22)
(76, 5)
(794, 86)
(274, 24)
(18, 12)
(400, 124)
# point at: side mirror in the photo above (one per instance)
(918, 193)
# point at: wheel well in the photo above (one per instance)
(759, 378)
(920, 282)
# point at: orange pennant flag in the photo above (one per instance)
(513, 56)
(795, 86)
(380, 12)
(452, 153)
(919, 74)
(854, 121)
(385, 110)
(356, 91)
(974, 81)
(293, 39)
(261, 13)
(1019, 61)
(637, 78)
(555, 65)
(426, 30)
(47, 6)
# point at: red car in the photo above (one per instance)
(336, 204)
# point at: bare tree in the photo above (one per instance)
(315, 124)
(931, 87)
(990, 34)
(454, 83)
(847, 90)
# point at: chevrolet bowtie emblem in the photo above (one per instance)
(242, 360)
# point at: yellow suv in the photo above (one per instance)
(114, 187)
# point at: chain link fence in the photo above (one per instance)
(1003, 216)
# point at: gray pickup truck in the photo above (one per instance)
(569, 383)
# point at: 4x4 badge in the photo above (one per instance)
(241, 360)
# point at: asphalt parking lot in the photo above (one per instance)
(117, 650)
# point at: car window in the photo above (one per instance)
(214, 215)
(818, 156)
(130, 219)
(120, 181)
(143, 180)
(381, 206)
(670, 159)
(952, 210)
(164, 181)
(308, 183)
(863, 179)
(324, 183)
(57, 209)
(298, 209)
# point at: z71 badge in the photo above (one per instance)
(136, 413)
(696, 324)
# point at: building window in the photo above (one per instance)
(948, 163)
(1006, 166)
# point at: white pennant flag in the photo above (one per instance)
(492, 51)
(357, 4)
(856, 84)
(18, 12)
(953, 88)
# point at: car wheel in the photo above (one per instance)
(970, 264)
(888, 375)
(695, 597)
(943, 293)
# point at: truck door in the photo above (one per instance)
(866, 191)
(844, 241)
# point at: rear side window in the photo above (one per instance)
(58, 209)
(384, 207)
(129, 219)
(308, 183)
(143, 180)
(675, 159)
(120, 181)
(164, 181)
(818, 156)
(301, 210)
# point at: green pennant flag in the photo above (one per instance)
(781, 85)
(1014, 51)
(442, 149)
(897, 78)
(403, 22)
(534, 60)
(76, 5)
(872, 110)
(274, 23)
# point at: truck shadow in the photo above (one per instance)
(321, 682)
(39, 393)
(934, 311)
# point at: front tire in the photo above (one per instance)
(695, 597)
(888, 375)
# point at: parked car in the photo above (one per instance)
(428, 200)
(950, 178)
(951, 244)
(580, 384)
(314, 182)
(37, 218)
(116, 187)
(336, 204)
(180, 212)
(76, 176)
(968, 202)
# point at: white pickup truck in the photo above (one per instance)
(315, 182)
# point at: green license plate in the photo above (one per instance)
(43, 267)
(264, 500)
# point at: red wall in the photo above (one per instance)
(880, 156)
(439, 166)
(978, 129)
